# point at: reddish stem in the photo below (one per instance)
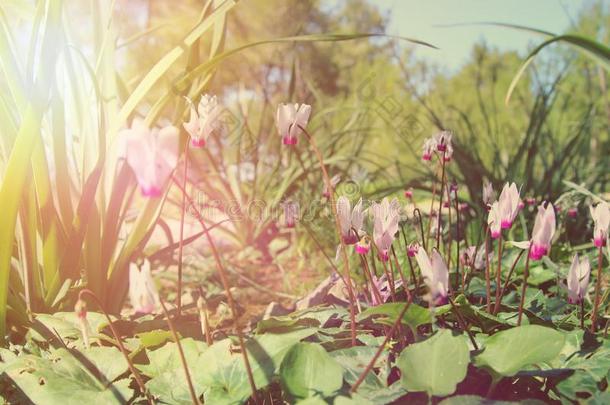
(181, 242)
(371, 364)
(598, 285)
(350, 290)
(181, 353)
(526, 273)
(133, 370)
(225, 282)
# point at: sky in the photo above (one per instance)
(424, 19)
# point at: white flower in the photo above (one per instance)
(436, 275)
(578, 279)
(142, 291)
(350, 220)
(288, 120)
(151, 154)
(489, 195)
(544, 229)
(494, 221)
(443, 141)
(204, 120)
(601, 219)
(333, 183)
(508, 205)
(386, 216)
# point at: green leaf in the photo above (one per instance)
(224, 374)
(513, 350)
(168, 381)
(64, 379)
(66, 325)
(414, 317)
(593, 49)
(436, 365)
(307, 369)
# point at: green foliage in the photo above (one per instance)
(536, 345)
(307, 370)
(436, 365)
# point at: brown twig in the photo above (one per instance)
(181, 353)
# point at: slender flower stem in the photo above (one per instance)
(405, 284)
(440, 203)
(421, 227)
(133, 370)
(499, 272)
(462, 323)
(371, 364)
(526, 273)
(449, 236)
(582, 314)
(487, 276)
(457, 244)
(367, 272)
(225, 282)
(181, 242)
(598, 285)
(390, 280)
(321, 249)
(205, 322)
(505, 286)
(181, 353)
(348, 278)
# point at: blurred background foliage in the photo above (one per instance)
(374, 102)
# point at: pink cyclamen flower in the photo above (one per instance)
(386, 216)
(572, 212)
(489, 195)
(448, 153)
(363, 246)
(333, 183)
(204, 120)
(601, 220)
(412, 249)
(290, 119)
(350, 220)
(544, 229)
(578, 279)
(521, 205)
(291, 213)
(436, 275)
(463, 206)
(443, 142)
(143, 293)
(468, 255)
(494, 221)
(530, 201)
(508, 205)
(385, 291)
(409, 193)
(151, 154)
(428, 149)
